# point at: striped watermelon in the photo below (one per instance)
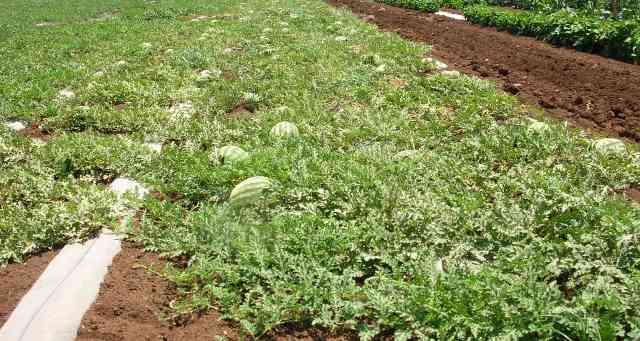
(537, 126)
(232, 154)
(406, 154)
(249, 190)
(450, 73)
(285, 129)
(610, 146)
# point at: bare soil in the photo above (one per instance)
(241, 110)
(17, 279)
(133, 304)
(632, 193)
(171, 197)
(596, 93)
(36, 132)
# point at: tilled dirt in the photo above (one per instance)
(596, 93)
(134, 304)
(36, 132)
(17, 279)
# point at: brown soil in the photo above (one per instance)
(171, 197)
(241, 110)
(34, 131)
(596, 93)
(133, 304)
(120, 106)
(632, 193)
(17, 279)
(228, 75)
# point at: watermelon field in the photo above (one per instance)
(283, 169)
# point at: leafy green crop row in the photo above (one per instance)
(419, 5)
(628, 8)
(432, 6)
(598, 8)
(616, 39)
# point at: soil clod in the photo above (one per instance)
(36, 132)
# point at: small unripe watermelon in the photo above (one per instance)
(537, 126)
(610, 146)
(285, 129)
(249, 190)
(438, 65)
(232, 154)
(406, 154)
(450, 73)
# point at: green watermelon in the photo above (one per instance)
(285, 129)
(537, 126)
(232, 154)
(450, 73)
(610, 146)
(406, 154)
(248, 191)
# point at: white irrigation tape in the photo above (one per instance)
(55, 304)
(156, 147)
(453, 16)
(15, 125)
(18, 126)
(120, 186)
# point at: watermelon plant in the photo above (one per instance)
(39, 212)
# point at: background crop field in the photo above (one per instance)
(486, 229)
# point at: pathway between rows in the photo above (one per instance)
(596, 93)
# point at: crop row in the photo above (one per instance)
(618, 39)
(628, 8)
(612, 38)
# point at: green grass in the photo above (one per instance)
(491, 230)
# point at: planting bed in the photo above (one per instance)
(590, 91)
(303, 174)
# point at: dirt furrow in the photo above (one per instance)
(590, 91)
(134, 304)
(17, 279)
